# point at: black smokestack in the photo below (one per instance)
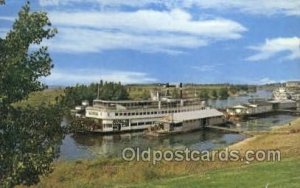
(180, 87)
(167, 86)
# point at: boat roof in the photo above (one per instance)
(140, 101)
(194, 115)
(282, 101)
(251, 105)
(123, 101)
(238, 106)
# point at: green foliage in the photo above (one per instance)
(203, 94)
(145, 95)
(29, 136)
(213, 93)
(113, 91)
(234, 89)
(175, 93)
(45, 97)
(139, 92)
(107, 91)
(29, 142)
(74, 95)
(21, 68)
(80, 124)
(222, 93)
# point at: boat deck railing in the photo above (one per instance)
(181, 108)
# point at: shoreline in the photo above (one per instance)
(283, 137)
(252, 137)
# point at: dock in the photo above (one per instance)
(296, 112)
(245, 132)
(224, 129)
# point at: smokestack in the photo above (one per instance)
(180, 87)
(167, 86)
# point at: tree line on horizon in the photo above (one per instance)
(103, 90)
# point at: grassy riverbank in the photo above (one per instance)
(45, 97)
(118, 173)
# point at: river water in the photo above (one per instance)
(79, 146)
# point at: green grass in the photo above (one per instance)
(41, 97)
(274, 174)
(117, 173)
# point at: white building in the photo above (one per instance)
(292, 84)
(250, 109)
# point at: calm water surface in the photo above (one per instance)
(78, 146)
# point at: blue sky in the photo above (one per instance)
(191, 41)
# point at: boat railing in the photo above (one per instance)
(181, 108)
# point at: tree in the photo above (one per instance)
(175, 93)
(145, 95)
(30, 140)
(29, 137)
(233, 89)
(203, 94)
(21, 66)
(223, 93)
(213, 93)
(107, 91)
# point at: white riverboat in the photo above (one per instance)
(121, 116)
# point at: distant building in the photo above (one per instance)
(281, 93)
(286, 93)
(292, 84)
(250, 109)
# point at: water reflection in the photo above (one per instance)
(264, 123)
(90, 146)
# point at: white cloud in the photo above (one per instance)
(206, 68)
(144, 30)
(266, 80)
(103, 3)
(273, 47)
(87, 40)
(261, 7)
(7, 18)
(85, 76)
(176, 20)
